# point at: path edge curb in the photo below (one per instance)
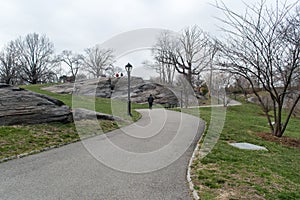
(188, 175)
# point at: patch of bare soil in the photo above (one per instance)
(238, 193)
(284, 140)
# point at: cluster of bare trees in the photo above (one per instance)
(96, 62)
(27, 59)
(166, 72)
(263, 47)
(73, 61)
(9, 64)
(260, 51)
(188, 52)
(31, 60)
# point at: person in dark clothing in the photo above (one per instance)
(150, 101)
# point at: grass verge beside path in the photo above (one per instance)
(231, 173)
(20, 139)
(16, 140)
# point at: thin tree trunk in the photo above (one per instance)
(290, 114)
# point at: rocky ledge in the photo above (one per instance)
(19, 106)
(116, 88)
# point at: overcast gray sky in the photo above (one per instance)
(78, 24)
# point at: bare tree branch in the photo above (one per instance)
(263, 47)
(73, 61)
(9, 64)
(189, 53)
(97, 60)
(35, 56)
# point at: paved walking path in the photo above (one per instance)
(231, 103)
(146, 160)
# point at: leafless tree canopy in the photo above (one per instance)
(112, 70)
(35, 55)
(166, 71)
(188, 52)
(72, 60)
(9, 64)
(263, 46)
(97, 60)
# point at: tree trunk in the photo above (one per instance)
(7, 81)
(34, 81)
(278, 130)
(278, 122)
(188, 77)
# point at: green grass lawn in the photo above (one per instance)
(15, 140)
(230, 173)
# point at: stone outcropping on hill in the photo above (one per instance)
(84, 114)
(117, 88)
(19, 106)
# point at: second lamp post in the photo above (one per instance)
(128, 68)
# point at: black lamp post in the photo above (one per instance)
(128, 68)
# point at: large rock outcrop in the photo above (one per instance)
(19, 106)
(117, 88)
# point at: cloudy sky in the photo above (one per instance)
(78, 24)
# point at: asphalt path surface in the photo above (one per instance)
(145, 160)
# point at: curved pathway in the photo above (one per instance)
(146, 160)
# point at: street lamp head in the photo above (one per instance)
(128, 67)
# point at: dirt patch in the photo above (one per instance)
(240, 193)
(284, 140)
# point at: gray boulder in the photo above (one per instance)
(19, 106)
(84, 114)
(141, 92)
(117, 88)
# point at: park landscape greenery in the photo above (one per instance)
(20, 139)
(230, 173)
(225, 173)
(269, 33)
(258, 49)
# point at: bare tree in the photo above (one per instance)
(9, 63)
(214, 53)
(50, 77)
(112, 70)
(220, 83)
(290, 102)
(35, 56)
(81, 76)
(241, 84)
(97, 60)
(166, 71)
(188, 52)
(263, 47)
(73, 61)
(186, 91)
